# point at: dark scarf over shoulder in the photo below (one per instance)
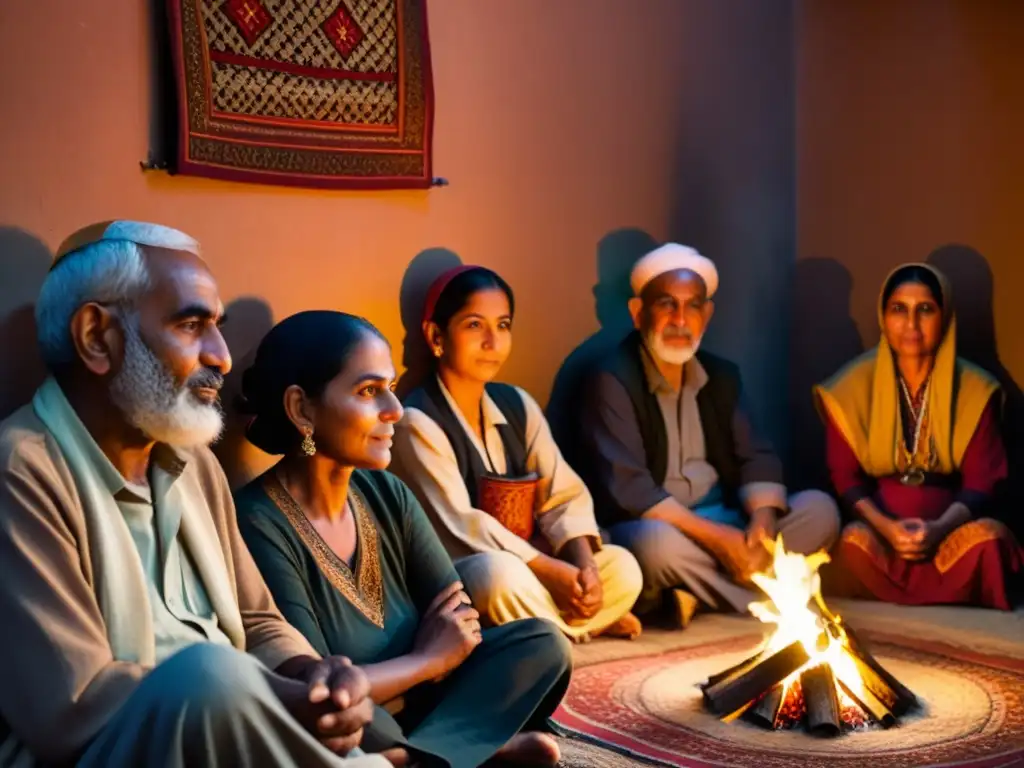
(431, 400)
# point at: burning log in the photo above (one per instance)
(744, 685)
(766, 712)
(878, 679)
(812, 669)
(869, 703)
(821, 700)
(735, 669)
(886, 695)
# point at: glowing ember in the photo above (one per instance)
(811, 668)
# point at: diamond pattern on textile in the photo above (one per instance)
(297, 34)
(290, 109)
(221, 32)
(250, 18)
(342, 30)
(265, 93)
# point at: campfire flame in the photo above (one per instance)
(791, 590)
(812, 667)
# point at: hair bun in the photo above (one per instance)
(265, 427)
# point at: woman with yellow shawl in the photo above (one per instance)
(914, 450)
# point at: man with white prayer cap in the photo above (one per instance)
(137, 629)
(678, 475)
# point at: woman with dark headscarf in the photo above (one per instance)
(481, 458)
(354, 564)
(914, 450)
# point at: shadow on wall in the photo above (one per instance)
(970, 277)
(425, 267)
(163, 108)
(734, 186)
(250, 319)
(823, 338)
(24, 262)
(617, 252)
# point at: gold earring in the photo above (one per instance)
(308, 446)
(437, 351)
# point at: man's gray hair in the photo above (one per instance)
(109, 269)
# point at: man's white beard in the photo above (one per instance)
(671, 354)
(153, 402)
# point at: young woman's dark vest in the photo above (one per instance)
(431, 400)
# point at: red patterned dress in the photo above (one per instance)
(974, 565)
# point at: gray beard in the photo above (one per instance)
(667, 354)
(153, 402)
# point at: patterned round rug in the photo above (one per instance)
(972, 711)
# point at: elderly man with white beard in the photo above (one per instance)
(678, 475)
(136, 628)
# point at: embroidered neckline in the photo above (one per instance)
(364, 587)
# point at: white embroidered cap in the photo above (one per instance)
(668, 258)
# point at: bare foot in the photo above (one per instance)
(530, 748)
(627, 627)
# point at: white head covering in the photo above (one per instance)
(138, 232)
(668, 258)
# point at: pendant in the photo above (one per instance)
(912, 477)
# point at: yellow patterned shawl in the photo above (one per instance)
(862, 400)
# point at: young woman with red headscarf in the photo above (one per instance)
(517, 520)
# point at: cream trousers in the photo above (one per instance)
(503, 589)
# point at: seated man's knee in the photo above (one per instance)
(207, 676)
(819, 509)
(653, 543)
